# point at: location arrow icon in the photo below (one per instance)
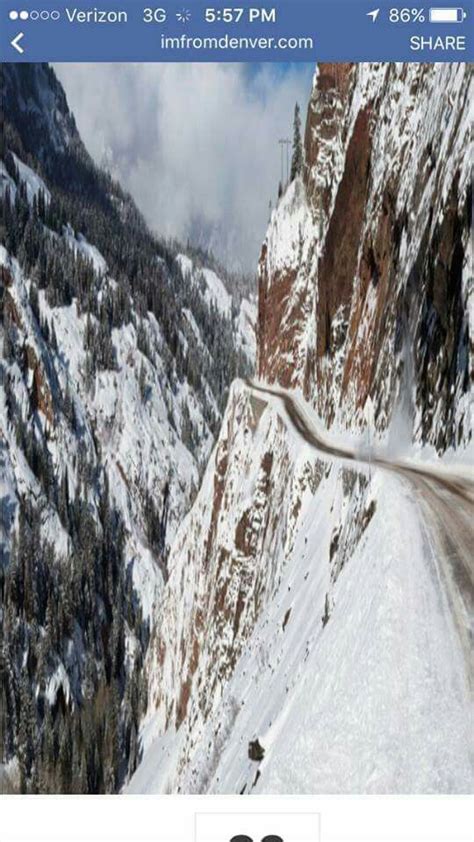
(15, 43)
(374, 15)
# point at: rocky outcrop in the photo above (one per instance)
(212, 602)
(358, 299)
(338, 264)
(41, 397)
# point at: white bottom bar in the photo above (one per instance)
(176, 818)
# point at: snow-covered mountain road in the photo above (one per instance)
(445, 503)
(351, 672)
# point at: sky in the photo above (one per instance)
(195, 144)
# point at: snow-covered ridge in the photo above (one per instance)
(216, 295)
(39, 101)
(214, 290)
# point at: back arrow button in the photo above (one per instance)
(15, 43)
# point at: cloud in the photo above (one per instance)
(195, 144)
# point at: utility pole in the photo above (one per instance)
(285, 141)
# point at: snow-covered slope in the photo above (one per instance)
(318, 604)
(134, 425)
(298, 613)
(112, 393)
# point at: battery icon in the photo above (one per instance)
(447, 15)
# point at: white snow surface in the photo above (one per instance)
(79, 244)
(375, 701)
(214, 290)
(58, 680)
(378, 702)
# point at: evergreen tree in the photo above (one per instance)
(26, 731)
(297, 158)
(143, 382)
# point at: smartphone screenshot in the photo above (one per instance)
(236, 421)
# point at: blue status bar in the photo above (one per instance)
(288, 30)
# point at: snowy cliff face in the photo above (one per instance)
(297, 613)
(365, 269)
(118, 351)
(252, 575)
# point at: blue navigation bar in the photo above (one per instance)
(262, 30)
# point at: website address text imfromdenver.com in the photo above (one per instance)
(233, 42)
